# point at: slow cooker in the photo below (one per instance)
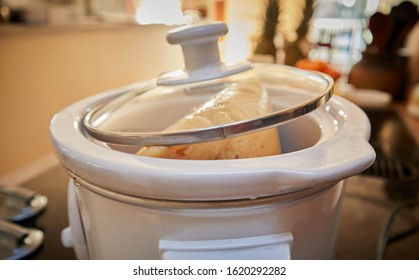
(126, 206)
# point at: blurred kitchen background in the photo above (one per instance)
(55, 52)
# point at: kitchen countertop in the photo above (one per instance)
(368, 203)
(412, 124)
(373, 198)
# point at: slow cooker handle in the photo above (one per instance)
(264, 247)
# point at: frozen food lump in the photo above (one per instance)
(240, 101)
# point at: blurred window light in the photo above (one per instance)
(236, 45)
(167, 12)
(348, 3)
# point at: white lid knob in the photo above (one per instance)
(201, 54)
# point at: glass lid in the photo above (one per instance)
(208, 100)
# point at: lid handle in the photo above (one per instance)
(201, 54)
(199, 43)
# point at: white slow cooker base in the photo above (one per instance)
(117, 230)
(323, 148)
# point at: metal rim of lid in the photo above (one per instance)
(206, 134)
